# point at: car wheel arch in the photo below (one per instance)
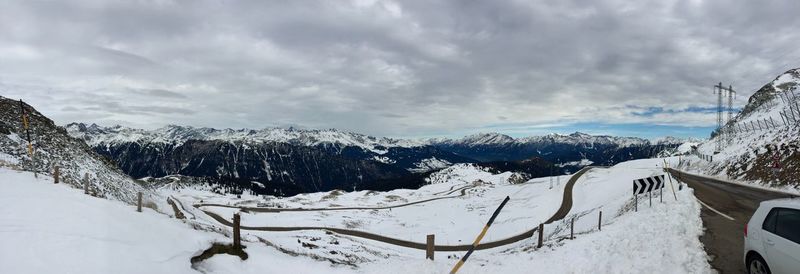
(752, 254)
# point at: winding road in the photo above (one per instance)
(277, 210)
(727, 207)
(566, 206)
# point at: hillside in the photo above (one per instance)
(54, 147)
(765, 141)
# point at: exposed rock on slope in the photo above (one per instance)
(54, 147)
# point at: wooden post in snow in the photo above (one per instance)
(600, 221)
(541, 236)
(237, 241)
(139, 203)
(86, 183)
(572, 228)
(430, 247)
(55, 174)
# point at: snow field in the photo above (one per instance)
(50, 228)
(53, 228)
(454, 221)
(661, 239)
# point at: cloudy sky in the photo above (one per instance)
(395, 68)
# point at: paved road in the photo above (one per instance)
(277, 210)
(724, 238)
(566, 206)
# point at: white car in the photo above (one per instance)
(772, 238)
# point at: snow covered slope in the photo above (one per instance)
(761, 139)
(48, 228)
(54, 147)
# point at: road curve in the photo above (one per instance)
(724, 239)
(566, 205)
(276, 210)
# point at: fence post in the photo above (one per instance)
(86, 183)
(787, 115)
(783, 119)
(237, 242)
(796, 107)
(139, 202)
(541, 235)
(55, 174)
(572, 229)
(600, 221)
(430, 247)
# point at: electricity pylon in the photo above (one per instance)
(724, 130)
(731, 94)
(718, 89)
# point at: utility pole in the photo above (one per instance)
(718, 89)
(724, 130)
(731, 94)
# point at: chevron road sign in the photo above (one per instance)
(648, 184)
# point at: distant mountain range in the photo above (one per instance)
(298, 160)
(285, 160)
(573, 150)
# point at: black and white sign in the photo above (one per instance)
(648, 184)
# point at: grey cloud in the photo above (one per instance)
(389, 67)
(160, 93)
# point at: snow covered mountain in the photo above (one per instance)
(290, 161)
(54, 147)
(765, 143)
(577, 138)
(177, 135)
(573, 148)
(299, 160)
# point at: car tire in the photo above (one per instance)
(757, 265)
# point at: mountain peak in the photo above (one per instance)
(580, 134)
(488, 138)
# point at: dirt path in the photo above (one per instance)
(566, 205)
(724, 239)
